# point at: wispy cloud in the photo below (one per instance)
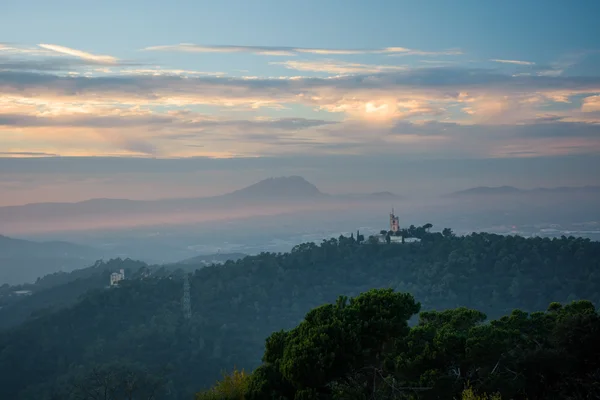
(290, 51)
(517, 62)
(591, 104)
(100, 59)
(13, 49)
(193, 48)
(158, 132)
(399, 51)
(55, 58)
(166, 72)
(171, 120)
(48, 64)
(338, 67)
(26, 154)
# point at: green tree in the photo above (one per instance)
(335, 342)
(233, 386)
(447, 232)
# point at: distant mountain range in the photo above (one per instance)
(510, 190)
(268, 197)
(10, 247)
(268, 189)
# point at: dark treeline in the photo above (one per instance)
(364, 349)
(239, 304)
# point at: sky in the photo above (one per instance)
(151, 99)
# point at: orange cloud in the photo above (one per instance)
(157, 114)
(100, 59)
(591, 104)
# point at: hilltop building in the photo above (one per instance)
(393, 235)
(116, 277)
(394, 222)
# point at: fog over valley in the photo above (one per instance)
(275, 214)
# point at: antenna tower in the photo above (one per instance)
(186, 304)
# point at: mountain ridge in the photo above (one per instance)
(267, 183)
(8, 243)
(502, 190)
(25, 260)
(266, 197)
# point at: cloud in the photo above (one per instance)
(409, 52)
(160, 133)
(126, 119)
(591, 104)
(21, 50)
(99, 59)
(27, 154)
(158, 71)
(338, 67)
(558, 129)
(365, 108)
(54, 58)
(443, 81)
(193, 48)
(290, 51)
(533, 139)
(83, 120)
(43, 65)
(287, 124)
(554, 127)
(478, 95)
(136, 145)
(517, 62)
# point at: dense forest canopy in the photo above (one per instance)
(236, 306)
(363, 348)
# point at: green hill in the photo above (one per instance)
(57, 290)
(237, 305)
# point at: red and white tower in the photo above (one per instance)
(394, 222)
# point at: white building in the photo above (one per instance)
(395, 239)
(22, 292)
(116, 277)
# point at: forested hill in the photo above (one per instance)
(239, 304)
(58, 290)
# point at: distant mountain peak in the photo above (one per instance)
(284, 186)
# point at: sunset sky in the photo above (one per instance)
(353, 95)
